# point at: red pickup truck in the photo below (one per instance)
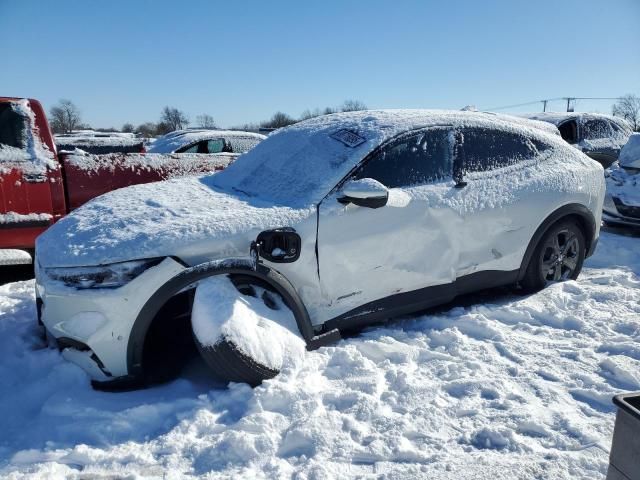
(39, 185)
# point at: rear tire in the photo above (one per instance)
(226, 361)
(558, 257)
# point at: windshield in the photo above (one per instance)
(295, 166)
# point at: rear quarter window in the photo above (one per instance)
(595, 128)
(242, 144)
(486, 149)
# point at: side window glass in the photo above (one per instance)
(486, 149)
(411, 159)
(569, 131)
(191, 149)
(215, 146)
(594, 128)
(12, 127)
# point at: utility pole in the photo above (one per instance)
(569, 99)
(544, 105)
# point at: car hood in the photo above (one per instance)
(184, 217)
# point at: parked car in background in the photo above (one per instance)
(331, 224)
(206, 141)
(599, 136)
(99, 142)
(622, 202)
(39, 185)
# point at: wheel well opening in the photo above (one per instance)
(168, 344)
(585, 227)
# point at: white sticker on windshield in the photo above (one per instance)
(349, 138)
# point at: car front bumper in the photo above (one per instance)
(92, 326)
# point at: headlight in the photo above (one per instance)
(609, 203)
(103, 276)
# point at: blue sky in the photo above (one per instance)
(240, 61)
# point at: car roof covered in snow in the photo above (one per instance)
(301, 163)
(558, 118)
(173, 141)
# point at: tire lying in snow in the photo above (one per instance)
(243, 329)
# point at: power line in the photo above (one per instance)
(545, 101)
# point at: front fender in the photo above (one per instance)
(192, 275)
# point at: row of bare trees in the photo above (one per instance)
(65, 117)
(281, 119)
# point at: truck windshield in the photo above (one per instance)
(12, 127)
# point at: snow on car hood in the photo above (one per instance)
(159, 219)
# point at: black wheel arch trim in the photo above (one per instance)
(191, 275)
(571, 209)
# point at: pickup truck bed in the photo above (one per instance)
(39, 185)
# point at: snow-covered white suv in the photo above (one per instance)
(339, 221)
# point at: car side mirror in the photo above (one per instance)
(365, 192)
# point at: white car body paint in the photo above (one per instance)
(426, 235)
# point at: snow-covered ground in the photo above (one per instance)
(503, 387)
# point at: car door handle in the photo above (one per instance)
(34, 177)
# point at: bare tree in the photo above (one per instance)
(353, 106)
(307, 114)
(148, 129)
(205, 121)
(329, 111)
(628, 107)
(128, 128)
(173, 119)
(64, 116)
(278, 120)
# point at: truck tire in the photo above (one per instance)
(226, 361)
(558, 256)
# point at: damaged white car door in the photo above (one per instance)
(497, 224)
(369, 248)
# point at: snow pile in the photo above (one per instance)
(170, 165)
(268, 334)
(13, 217)
(100, 144)
(95, 133)
(173, 141)
(630, 154)
(508, 387)
(111, 141)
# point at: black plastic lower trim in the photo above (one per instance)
(25, 224)
(416, 300)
